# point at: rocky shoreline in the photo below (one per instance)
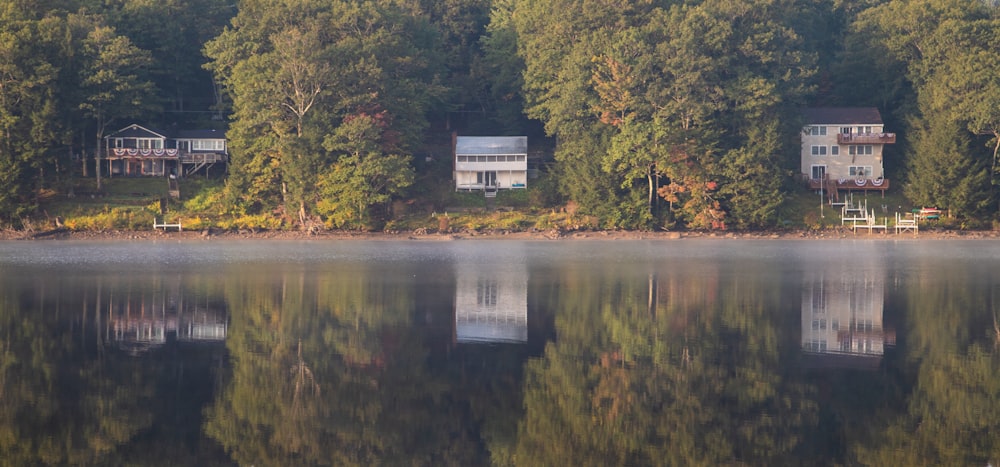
(215, 234)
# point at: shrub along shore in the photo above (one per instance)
(839, 233)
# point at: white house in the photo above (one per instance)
(491, 162)
(842, 148)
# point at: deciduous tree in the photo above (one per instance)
(114, 82)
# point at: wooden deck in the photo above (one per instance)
(857, 216)
(850, 184)
(870, 222)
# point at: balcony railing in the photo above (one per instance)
(866, 138)
(849, 184)
(186, 157)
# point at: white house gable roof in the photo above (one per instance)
(201, 134)
(842, 116)
(136, 131)
(480, 145)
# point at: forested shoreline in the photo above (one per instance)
(664, 114)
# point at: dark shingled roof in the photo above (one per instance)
(843, 116)
(137, 131)
(200, 134)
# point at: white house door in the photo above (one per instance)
(487, 179)
(818, 172)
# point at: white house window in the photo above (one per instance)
(860, 171)
(208, 145)
(860, 149)
(150, 143)
(846, 130)
(834, 150)
(818, 172)
(818, 150)
(864, 130)
(817, 131)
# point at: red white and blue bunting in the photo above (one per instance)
(130, 152)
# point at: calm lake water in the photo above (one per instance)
(681, 352)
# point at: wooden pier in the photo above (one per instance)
(166, 226)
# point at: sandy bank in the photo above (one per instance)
(208, 235)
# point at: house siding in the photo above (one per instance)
(838, 159)
(490, 161)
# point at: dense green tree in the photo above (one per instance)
(944, 169)
(114, 82)
(499, 70)
(963, 83)
(946, 59)
(460, 24)
(362, 176)
(297, 71)
(752, 178)
(672, 89)
(27, 106)
(174, 31)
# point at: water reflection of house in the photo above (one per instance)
(491, 304)
(144, 322)
(842, 312)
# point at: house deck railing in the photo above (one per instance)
(201, 157)
(866, 138)
(873, 184)
(186, 157)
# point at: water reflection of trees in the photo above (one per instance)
(949, 362)
(659, 366)
(367, 397)
(67, 395)
(677, 368)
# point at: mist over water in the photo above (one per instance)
(500, 352)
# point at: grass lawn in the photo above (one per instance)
(133, 203)
(115, 192)
(804, 208)
(121, 203)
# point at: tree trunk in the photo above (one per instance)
(97, 160)
(993, 173)
(996, 149)
(652, 189)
